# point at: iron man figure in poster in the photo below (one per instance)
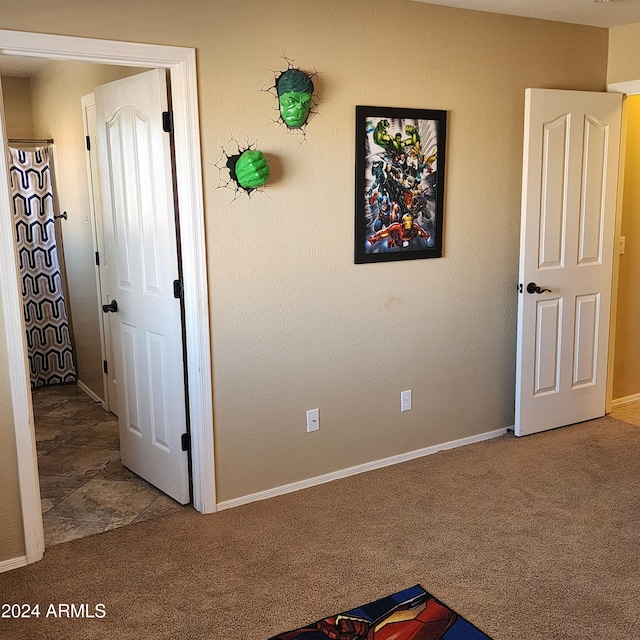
(400, 234)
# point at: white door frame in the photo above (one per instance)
(181, 64)
(629, 88)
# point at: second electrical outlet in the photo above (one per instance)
(405, 400)
(313, 420)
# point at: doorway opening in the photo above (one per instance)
(84, 488)
(623, 399)
(180, 63)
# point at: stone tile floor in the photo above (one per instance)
(84, 487)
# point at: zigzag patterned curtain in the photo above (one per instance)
(45, 314)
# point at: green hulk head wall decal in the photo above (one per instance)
(295, 91)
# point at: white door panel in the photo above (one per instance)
(97, 229)
(566, 249)
(142, 263)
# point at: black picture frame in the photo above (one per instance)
(400, 168)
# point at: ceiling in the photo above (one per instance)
(613, 13)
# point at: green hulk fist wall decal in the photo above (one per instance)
(295, 91)
(249, 169)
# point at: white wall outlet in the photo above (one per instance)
(313, 420)
(623, 243)
(405, 400)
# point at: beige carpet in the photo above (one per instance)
(527, 538)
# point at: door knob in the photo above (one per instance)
(110, 308)
(532, 287)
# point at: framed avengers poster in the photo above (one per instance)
(400, 161)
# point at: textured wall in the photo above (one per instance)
(295, 324)
(16, 97)
(623, 62)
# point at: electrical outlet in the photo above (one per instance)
(313, 420)
(623, 242)
(405, 400)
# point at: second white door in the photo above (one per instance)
(571, 151)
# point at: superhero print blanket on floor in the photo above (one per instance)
(412, 614)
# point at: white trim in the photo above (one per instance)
(53, 47)
(94, 396)
(194, 267)
(361, 468)
(628, 88)
(631, 87)
(19, 373)
(181, 63)
(619, 402)
(13, 563)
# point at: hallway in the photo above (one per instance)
(84, 487)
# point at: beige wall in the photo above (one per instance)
(295, 324)
(16, 96)
(623, 62)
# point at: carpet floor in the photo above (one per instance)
(526, 538)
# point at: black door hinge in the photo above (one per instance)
(178, 289)
(88, 139)
(97, 259)
(104, 366)
(185, 440)
(167, 121)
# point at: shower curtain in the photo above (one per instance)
(45, 314)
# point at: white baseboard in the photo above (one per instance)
(83, 387)
(626, 400)
(361, 468)
(13, 563)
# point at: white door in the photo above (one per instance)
(141, 264)
(110, 402)
(571, 149)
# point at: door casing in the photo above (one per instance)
(630, 88)
(181, 65)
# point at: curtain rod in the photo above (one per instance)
(30, 141)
